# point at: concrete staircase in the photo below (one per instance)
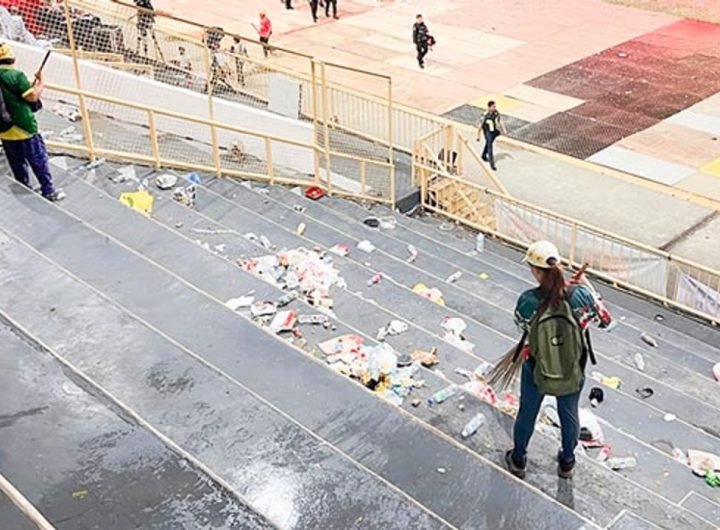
(130, 311)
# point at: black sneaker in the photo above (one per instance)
(518, 471)
(484, 157)
(56, 196)
(493, 167)
(565, 469)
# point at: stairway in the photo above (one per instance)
(132, 309)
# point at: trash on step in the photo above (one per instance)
(473, 425)
(314, 193)
(639, 362)
(712, 479)
(366, 246)
(649, 340)
(283, 321)
(194, 178)
(288, 297)
(262, 308)
(314, 320)
(395, 327)
(480, 373)
(376, 278)
(591, 434)
(604, 453)
(479, 242)
(461, 407)
(388, 223)
(441, 470)
(669, 417)
(416, 402)
(617, 463)
(425, 358)
(240, 302)
(185, 195)
(483, 275)
(299, 208)
(340, 250)
(701, 462)
(372, 222)
(597, 396)
(404, 359)
(659, 317)
(79, 494)
(140, 201)
(464, 372)
(612, 382)
(442, 395)
(220, 248)
(68, 112)
(679, 455)
(413, 254)
(265, 242)
(455, 276)
(179, 224)
(431, 293)
(212, 232)
(644, 392)
(716, 371)
(482, 391)
(300, 230)
(345, 344)
(454, 328)
(166, 181)
(94, 164)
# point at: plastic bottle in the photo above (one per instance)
(473, 425)
(464, 372)
(640, 362)
(455, 276)
(375, 279)
(647, 339)
(480, 242)
(617, 463)
(441, 395)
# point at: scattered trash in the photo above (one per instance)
(404, 359)
(716, 371)
(314, 320)
(80, 494)
(300, 230)
(340, 250)
(185, 195)
(345, 344)
(262, 309)
(618, 463)
(314, 193)
(644, 392)
(479, 242)
(298, 208)
(288, 297)
(376, 278)
(473, 425)
(426, 359)
(622, 55)
(220, 248)
(483, 275)
(395, 327)
(482, 371)
(283, 321)
(669, 417)
(597, 396)
(454, 328)
(372, 222)
(612, 382)
(212, 231)
(701, 462)
(140, 201)
(712, 479)
(166, 181)
(388, 223)
(464, 372)
(413, 254)
(240, 302)
(647, 339)
(265, 242)
(679, 455)
(179, 224)
(441, 470)
(442, 395)
(416, 402)
(366, 246)
(68, 112)
(461, 407)
(604, 453)
(431, 293)
(95, 164)
(639, 362)
(455, 276)
(659, 317)
(591, 434)
(194, 178)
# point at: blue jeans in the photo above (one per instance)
(530, 401)
(488, 152)
(33, 153)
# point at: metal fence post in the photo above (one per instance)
(211, 113)
(326, 129)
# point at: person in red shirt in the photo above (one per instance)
(264, 32)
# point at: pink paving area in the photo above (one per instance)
(484, 46)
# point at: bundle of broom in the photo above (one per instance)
(504, 374)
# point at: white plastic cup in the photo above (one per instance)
(480, 242)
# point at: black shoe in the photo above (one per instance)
(336, 17)
(56, 196)
(493, 167)
(289, 7)
(422, 65)
(314, 19)
(485, 158)
(518, 471)
(565, 469)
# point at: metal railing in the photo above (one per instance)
(672, 280)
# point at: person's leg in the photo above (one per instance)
(37, 156)
(569, 425)
(313, 9)
(486, 146)
(265, 41)
(334, 6)
(489, 139)
(15, 154)
(530, 401)
(327, 8)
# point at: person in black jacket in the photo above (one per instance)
(420, 38)
(145, 23)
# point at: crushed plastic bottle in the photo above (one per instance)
(413, 253)
(441, 395)
(639, 362)
(618, 463)
(455, 276)
(647, 339)
(473, 425)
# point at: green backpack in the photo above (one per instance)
(558, 347)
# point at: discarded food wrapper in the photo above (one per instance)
(342, 344)
(669, 417)
(376, 278)
(313, 319)
(340, 250)
(366, 246)
(464, 372)
(140, 201)
(604, 453)
(314, 193)
(588, 421)
(283, 321)
(288, 297)
(618, 463)
(483, 275)
(166, 181)
(611, 382)
(263, 308)
(425, 358)
(431, 293)
(194, 178)
(639, 362)
(413, 253)
(455, 276)
(240, 302)
(649, 340)
(300, 229)
(454, 325)
(712, 479)
(702, 462)
(395, 327)
(185, 195)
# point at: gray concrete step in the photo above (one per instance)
(171, 213)
(76, 458)
(344, 416)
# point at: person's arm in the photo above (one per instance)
(525, 309)
(588, 306)
(415, 34)
(31, 92)
(502, 125)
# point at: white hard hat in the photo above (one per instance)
(542, 254)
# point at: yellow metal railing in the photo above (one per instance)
(674, 281)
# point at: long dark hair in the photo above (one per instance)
(552, 288)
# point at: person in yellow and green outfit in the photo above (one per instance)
(21, 141)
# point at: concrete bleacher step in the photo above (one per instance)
(76, 458)
(437, 417)
(395, 451)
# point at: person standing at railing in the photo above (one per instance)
(21, 139)
(145, 23)
(264, 32)
(490, 126)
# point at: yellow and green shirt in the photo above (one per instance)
(15, 87)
